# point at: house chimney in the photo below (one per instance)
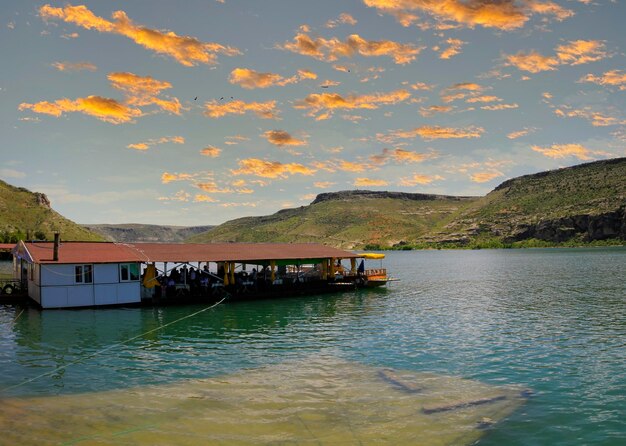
(55, 253)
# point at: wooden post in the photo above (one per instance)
(57, 242)
(226, 267)
(353, 265)
(232, 273)
(272, 266)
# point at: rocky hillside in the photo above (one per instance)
(579, 204)
(349, 219)
(25, 213)
(146, 233)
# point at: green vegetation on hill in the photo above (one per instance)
(24, 213)
(133, 232)
(571, 206)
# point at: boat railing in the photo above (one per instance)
(376, 272)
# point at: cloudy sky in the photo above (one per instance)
(197, 112)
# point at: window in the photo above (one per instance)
(83, 273)
(129, 272)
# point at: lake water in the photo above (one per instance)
(475, 324)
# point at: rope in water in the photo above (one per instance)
(112, 346)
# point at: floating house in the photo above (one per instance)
(87, 274)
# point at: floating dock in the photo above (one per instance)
(87, 274)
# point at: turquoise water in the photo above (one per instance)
(552, 320)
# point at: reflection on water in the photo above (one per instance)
(552, 320)
(317, 401)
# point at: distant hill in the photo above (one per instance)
(25, 213)
(146, 233)
(576, 205)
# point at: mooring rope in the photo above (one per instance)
(99, 352)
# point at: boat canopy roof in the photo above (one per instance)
(372, 255)
(103, 252)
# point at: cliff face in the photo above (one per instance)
(587, 227)
(352, 194)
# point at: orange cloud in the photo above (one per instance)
(211, 151)
(235, 139)
(316, 103)
(343, 19)
(432, 132)
(613, 78)
(400, 156)
(74, 66)
(597, 119)
(251, 79)
(369, 182)
(483, 177)
(188, 51)
(432, 110)
(419, 179)
(104, 109)
(578, 52)
(282, 138)
(199, 198)
(519, 133)
(264, 110)
(169, 177)
(499, 107)
(330, 50)
(152, 142)
(558, 151)
(453, 49)
(323, 184)
(212, 188)
(270, 169)
(575, 52)
(505, 15)
(142, 90)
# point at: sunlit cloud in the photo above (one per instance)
(341, 68)
(483, 177)
(506, 15)
(400, 156)
(11, 173)
(329, 102)
(235, 139)
(483, 98)
(613, 78)
(369, 182)
(211, 151)
(250, 79)
(282, 138)
(435, 109)
(170, 177)
(324, 184)
(421, 86)
(418, 179)
(595, 117)
(454, 48)
(200, 198)
(249, 204)
(264, 110)
(499, 107)
(330, 50)
(558, 151)
(343, 19)
(212, 187)
(153, 142)
(104, 109)
(181, 195)
(575, 52)
(432, 132)
(188, 51)
(520, 133)
(143, 90)
(270, 169)
(74, 66)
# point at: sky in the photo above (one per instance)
(198, 112)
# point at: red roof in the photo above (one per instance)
(95, 252)
(7, 246)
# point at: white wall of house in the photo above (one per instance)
(57, 287)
